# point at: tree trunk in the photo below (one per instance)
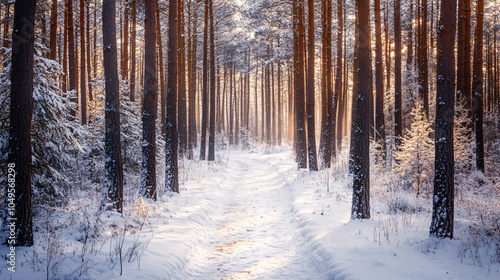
(327, 126)
(132, 51)
(65, 46)
(443, 205)
(21, 110)
(159, 42)
(71, 53)
(171, 169)
(149, 108)
(379, 82)
(211, 135)
(83, 89)
(125, 43)
(53, 30)
(299, 84)
(477, 97)
(181, 84)
(204, 117)
(361, 149)
(311, 139)
(398, 108)
(113, 181)
(91, 98)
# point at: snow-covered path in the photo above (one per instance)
(255, 236)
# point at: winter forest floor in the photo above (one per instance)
(252, 215)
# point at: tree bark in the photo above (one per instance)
(132, 51)
(361, 149)
(379, 82)
(443, 205)
(211, 135)
(398, 108)
(21, 110)
(171, 169)
(149, 111)
(83, 84)
(477, 97)
(204, 117)
(71, 53)
(299, 84)
(181, 84)
(53, 30)
(311, 138)
(113, 181)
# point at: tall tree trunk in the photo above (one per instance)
(280, 113)
(125, 42)
(6, 25)
(477, 97)
(327, 126)
(211, 135)
(53, 30)
(423, 69)
(132, 51)
(91, 98)
(192, 88)
(171, 169)
(181, 84)
(379, 82)
(150, 104)
(113, 181)
(21, 109)
(443, 205)
(71, 53)
(83, 89)
(204, 117)
(398, 108)
(299, 84)
(65, 46)
(361, 149)
(311, 138)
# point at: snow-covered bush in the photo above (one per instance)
(463, 141)
(415, 157)
(56, 137)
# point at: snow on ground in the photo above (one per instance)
(250, 215)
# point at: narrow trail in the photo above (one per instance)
(255, 236)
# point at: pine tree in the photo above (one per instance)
(444, 182)
(171, 169)
(113, 181)
(21, 107)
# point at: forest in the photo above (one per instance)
(262, 139)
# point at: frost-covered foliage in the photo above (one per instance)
(463, 141)
(415, 158)
(56, 138)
